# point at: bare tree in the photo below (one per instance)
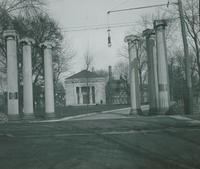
(101, 72)
(39, 27)
(121, 69)
(191, 18)
(142, 63)
(192, 24)
(62, 63)
(88, 58)
(141, 57)
(21, 7)
(9, 11)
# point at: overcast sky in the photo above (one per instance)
(76, 13)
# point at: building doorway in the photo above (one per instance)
(85, 94)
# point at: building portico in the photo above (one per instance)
(85, 88)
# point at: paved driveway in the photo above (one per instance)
(161, 142)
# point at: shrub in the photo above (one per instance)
(3, 118)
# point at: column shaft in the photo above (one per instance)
(81, 96)
(27, 81)
(134, 79)
(163, 81)
(74, 97)
(12, 74)
(153, 95)
(155, 70)
(134, 85)
(49, 89)
(90, 94)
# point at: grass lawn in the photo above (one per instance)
(78, 110)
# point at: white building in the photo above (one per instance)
(85, 87)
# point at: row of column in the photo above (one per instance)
(81, 95)
(159, 99)
(12, 76)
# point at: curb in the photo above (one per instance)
(64, 118)
(78, 116)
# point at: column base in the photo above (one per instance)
(14, 117)
(50, 115)
(28, 117)
(135, 112)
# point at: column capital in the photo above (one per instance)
(27, 41)
(10, 34)
(148, 33)
(48, 45)
(131, 38)
(160, 23)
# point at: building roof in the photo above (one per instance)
(84, 74)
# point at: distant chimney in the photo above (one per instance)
(110, 72)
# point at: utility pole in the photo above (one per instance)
(189, 97)
(199, 14)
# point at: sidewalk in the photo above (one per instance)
(108, 114)
(82, 116)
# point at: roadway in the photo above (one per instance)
(116, 142)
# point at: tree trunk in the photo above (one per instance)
(197, 54)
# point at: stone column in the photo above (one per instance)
(74, 99)
(12, 74)
(27, 77)
(81, 96)
(48, 73)
(90, 94)
(133, 71)
(163, 80)
(152, 71)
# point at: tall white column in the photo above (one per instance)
(163, 80)
(27, 77)
(133, 71)
(48, 73)
(81, 96)
(12, 74)
(152, 71)
(73, 97)
(90, 95)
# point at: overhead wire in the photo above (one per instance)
(108, 25)
(92, 26)
(142, 7)
(136, 8)
(98, 27)
(103, 26)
